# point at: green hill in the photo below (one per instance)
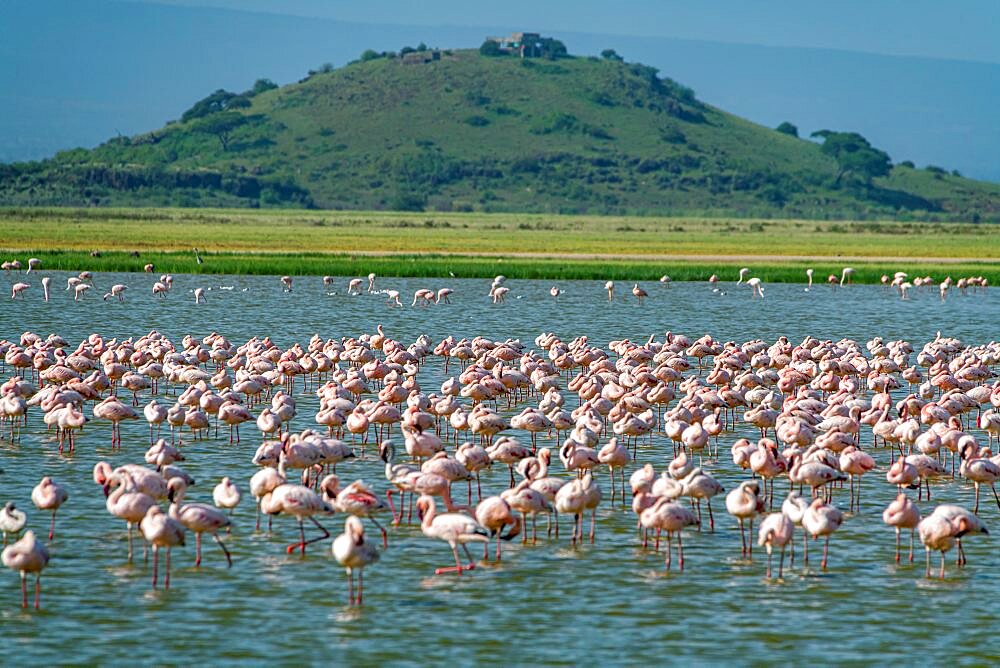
(469, 132)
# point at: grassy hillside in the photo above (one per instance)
(472, 133)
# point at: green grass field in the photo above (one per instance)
(526, 246)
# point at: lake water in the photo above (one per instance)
(607, 603)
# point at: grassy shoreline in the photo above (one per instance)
(431, 266)
(306, 242)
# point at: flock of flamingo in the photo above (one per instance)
(931, 412)
(900, 281)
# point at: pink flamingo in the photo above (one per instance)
(453, 528)
(776, 530)
(495, 514)
(354, 553)
(49, 495)
(666, 515)
(197, 517)
(161, 531)
(27, 556)
(902, 514)
(127, 503)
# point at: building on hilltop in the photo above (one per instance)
(524, 44)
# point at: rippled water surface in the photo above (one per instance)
(609, 602)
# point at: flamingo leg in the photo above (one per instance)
(24, 589)
(225, 550)
(166, 579)
(361, 585)
(911, 546)
(457, 568)
(52, 525)
(781, 561)
(385, 534)
(392, 507)
(301, 545)
(897, 545)
(156, 562)
(350, 587)
(197, 549)
(38, 590)
(680, 551)
(826, 548)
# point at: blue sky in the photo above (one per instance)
(953, 29)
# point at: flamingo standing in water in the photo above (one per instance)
(744, 503)
(302, 503)
(49, 495)
(902, 514)
(27, 556)
(226, 495)
(127, 503)
(639, 293)
(756, 287)
(495, 514)
(354, 553)
(665, 515)
(616, 457)
(12, 520)
(198, 517)
(161, 531)
(610, 287)
(453, 528)
(776, 531)
(822, 519)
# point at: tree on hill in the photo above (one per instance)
(553, 48)
(260, 86)
(491, 48)
(220, 100)
(854, 156)
(788, 129)
(221, 125)
(611, 54)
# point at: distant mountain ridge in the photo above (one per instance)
(457, 130)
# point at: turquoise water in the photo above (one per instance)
(610, 602)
